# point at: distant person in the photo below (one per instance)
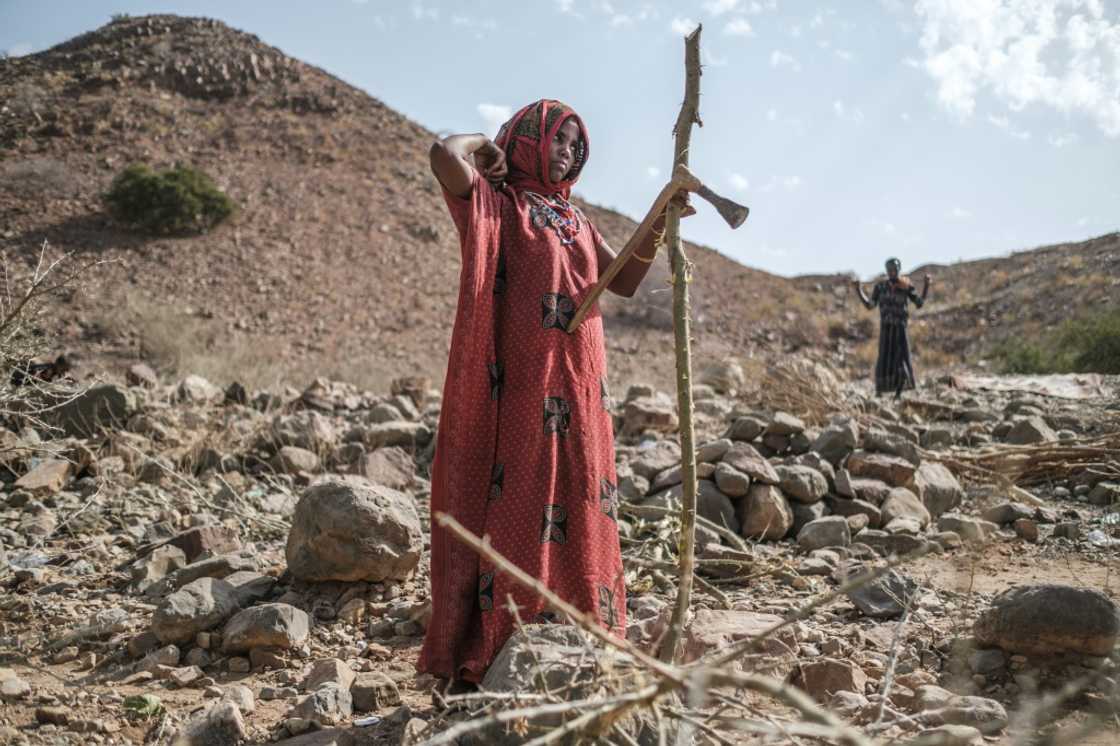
(894, 370)
(525, 447)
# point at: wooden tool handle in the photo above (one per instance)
(659, 204)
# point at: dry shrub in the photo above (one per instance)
(807, 389)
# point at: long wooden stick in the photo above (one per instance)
(682, 275)
(675, 184)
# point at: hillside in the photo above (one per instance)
(341, 261)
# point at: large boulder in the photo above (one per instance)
(745, 459)
(894, 470)
(802, 483)
(275, 625)
(902, 503)
(1031, 430)
(886, 597)
(830, 531)
(107, 406)
(353, 530)
(731, 481)
(825, 677)
(764, 513)
(217, 725)
(196, 607)
(1049, 619)
(837, 441)
(711, 503)
(937, 488)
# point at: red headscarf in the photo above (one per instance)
(525, 139)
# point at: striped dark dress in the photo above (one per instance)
(894, 370)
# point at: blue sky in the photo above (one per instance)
(934, 130)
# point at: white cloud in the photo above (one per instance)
(495, 115)
(912, 62)
(1004, 124)
(719, 7)
(1060, 54)
(904, 116)
(1062, 140)
(779, 58)
(959, 213)
(564, 6)
(683, 26)
(1082, 222)
(19, 49)
(772, 115)
(791, 183)
(818, 20)
(795, 31)
(422, 13)
(653, 172)
(766, 6)
(853, 114)
(738, 181)
(844, 54)
(475, 24)
(738, 27)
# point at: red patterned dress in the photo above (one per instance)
(525, 448)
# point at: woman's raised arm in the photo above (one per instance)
(451, 160)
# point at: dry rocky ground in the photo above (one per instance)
(186, 564)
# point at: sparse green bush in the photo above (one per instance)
(178, 200)
(1090, 344)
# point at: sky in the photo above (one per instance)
(931, 130)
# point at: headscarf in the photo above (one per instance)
(899, 280)
(525, 138)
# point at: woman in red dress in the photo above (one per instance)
(525, 447)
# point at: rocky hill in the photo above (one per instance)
(341, 259)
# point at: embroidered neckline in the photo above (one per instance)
(557, 213)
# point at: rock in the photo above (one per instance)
(12, 687)
(221, 566)
(826, 676)
(837, 441)
(305, 429)
(784, 423)
(987, 662)
(197, 390)
(353, 531)
(831, 531)
(744, 458)
(1105, 493)
(325, 737)
(730, 481)
(712, 451)
(942, 707)
(710, 503)
(47, 478)
(1031, 430)
(886, 597)
(725, 377)
(847, 507)
(953, 735)
(904, 526)
(267, 659)
(250, 587)
(52, 715)
(969, 529)
(141, 374)
(891, 544)
(329, 671)
(1049, 619)
(848, 705)
(746, 429)
(275, 625)
(242, 696)
(649, 414)
(1026, 529)
(329, 704)
(106, 406)
(164, 657)
(775, 444)
(893, 470)
(198, 606)
(220, 724)
(651, 461)
(937, 488)
(712, 630)
(938, 437)
(293, 460)
(804, 514)
(893, 444)
(764, 514)
(802, 484)
(374, 691)
(207, 540)
(1067, 530)
(902, 503)
(186, 676)
(389, 467)
(1006, 513)
(400, 433)
(162, 561)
